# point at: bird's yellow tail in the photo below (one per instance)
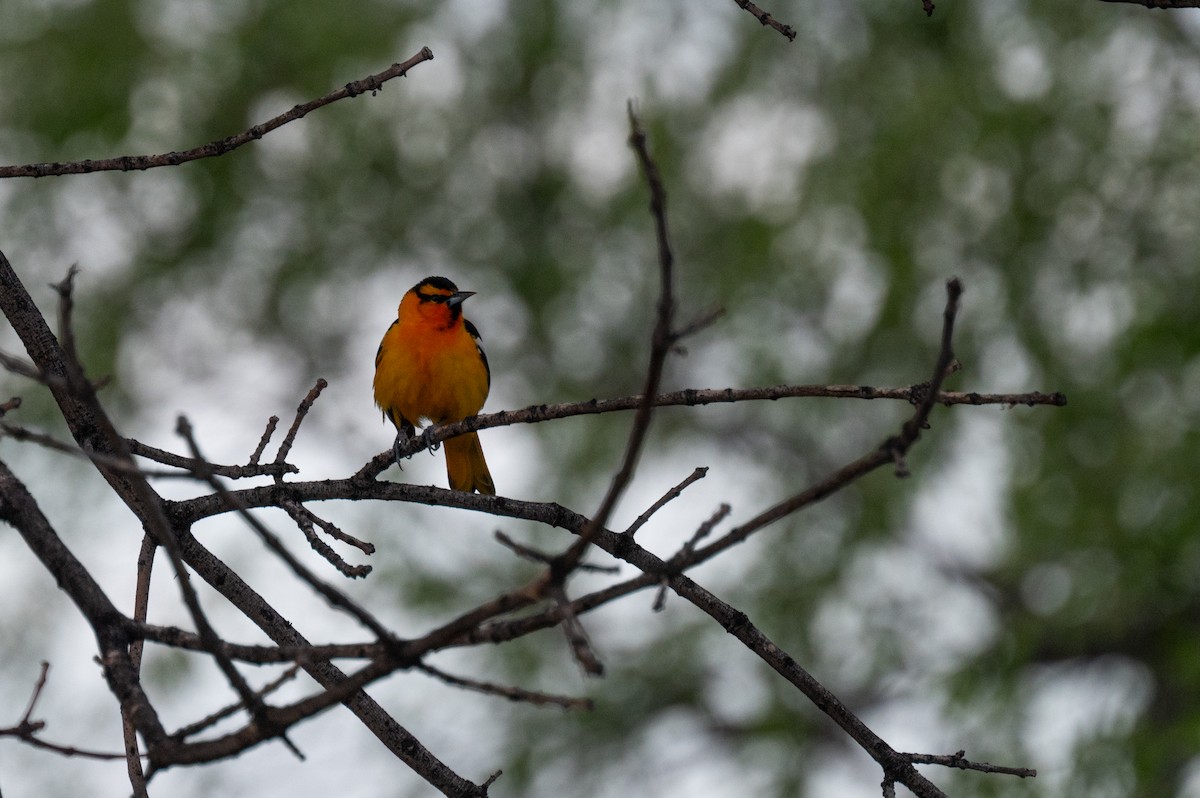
(466, 467)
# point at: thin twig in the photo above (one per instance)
(66, 306)
(891, 450)
(189, 464)
(959, 760)
(254, 705)
(511, 693)
(669, 496)
(19, 433)
(21, 367)
(272, 422)
(305, 405)
(212, 720)
(534, 555)
(20, 510)
(128, 163)
(331, 594)
(577, 637)
(696, 397)
(307, 521)
(704, 530)
(27, 728)
(92, 429)
(521, 550)
(336, 532)
(141, 608)
(28, 734)
(38, 686)
(660, 346)
(766, 19)
(701, 322)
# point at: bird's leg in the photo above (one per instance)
(404, 433)
(401, 439)
(432, 445)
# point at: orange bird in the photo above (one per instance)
(431, 365)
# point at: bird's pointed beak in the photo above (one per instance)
(457, 298)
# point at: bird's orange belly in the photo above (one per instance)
(441, 389)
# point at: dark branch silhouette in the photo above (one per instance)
(544, 601)
(132, 163)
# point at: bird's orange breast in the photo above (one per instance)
(432, 372)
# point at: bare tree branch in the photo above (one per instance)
(694, 397)
(211, 720)
(542, 603)
(667, 497)
(141, 609)
(129, 163)
(285, 447)
(767, 20)
(264, 440)
(660, 346)
(959, 760)
(19, 433)
(19, 509)
(190, 465)
(511, 693)
(93, 430)
(335, 597)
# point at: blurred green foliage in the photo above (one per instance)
(1030, 595)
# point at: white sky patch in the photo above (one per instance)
(1005, 365)
(1023, 72)
(981, 190)
(1094, 317)
(287, 150)
(1072, 703)
(158, 116)
(593, 142)
(1021, 68)
(92, 235)
(758, 149)
(731, 479)
(1138, 81)
(959, 514)
(856, 297)
(650, 54)
(1046, 587)
(892, 587)
(1190, 780)
(805, 352)
(471, 20)
(189, 24)
(740, 694)
(506, 152)
(845, 775)
(684, 62)
(163, 202)
(674, 50)
(191, 362)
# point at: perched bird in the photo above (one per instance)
(431, 365)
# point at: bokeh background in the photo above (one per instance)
(1031, 594)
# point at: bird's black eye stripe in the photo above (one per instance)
(432, 297)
